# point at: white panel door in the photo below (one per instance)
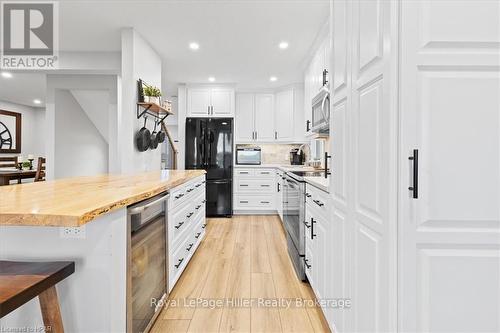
(450, 233)
(198, 102)
(364, 162)
(264, 117)
(284, 115)
(222, 101)
(244, 118)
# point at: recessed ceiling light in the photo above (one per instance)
(283, 45)
(273, 78)
(6, 75)
(211, 79)
(194, 46)
(37, 101)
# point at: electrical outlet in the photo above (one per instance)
(73, 232)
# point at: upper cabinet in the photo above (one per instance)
(210, 102)
(267, 117)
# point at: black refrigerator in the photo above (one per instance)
(209, 146)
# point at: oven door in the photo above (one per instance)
(292, 213)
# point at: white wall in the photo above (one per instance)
(33, 128)
(139, 61)
(60, 106)
(80, 149)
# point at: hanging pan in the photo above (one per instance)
(143, 138)
(154, 139)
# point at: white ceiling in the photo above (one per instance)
(238, 39)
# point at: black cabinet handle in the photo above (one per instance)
(319, 203)
(326, 164)
(312, 228)
(204, 201)
(265, 185)
(325, 77)
(197, 185)
(190, 190)
(275, 135)
(307, 224)
(189, 215)
(189, 247)
(264, 202)
(203, 182)
(179, 225)
(243, 173)
(243, 185)
(197, 235)
(197, 207)
(414, 188)
(306, 263)
(264, 173)
(179, 264)
(279, 187)
(308, 195)
(243, 201)
(308, 125)
(204, 226)
(179, 196)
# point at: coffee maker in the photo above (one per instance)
(297, 158)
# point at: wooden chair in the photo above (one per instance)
(8, 162)
(40, 170)
(22, 281)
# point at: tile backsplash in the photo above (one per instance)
(276, 153)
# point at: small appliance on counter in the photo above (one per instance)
(248, 155)
(296, 157)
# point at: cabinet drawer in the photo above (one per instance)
(260, 186)
(318, 200)
(244, 173)
(181, 193)
(263, 202)
(177, 262)
(264, 173)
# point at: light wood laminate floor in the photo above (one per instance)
(241, 259)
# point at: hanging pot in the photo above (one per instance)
(161, 135)
(154, 139)
(143, 138)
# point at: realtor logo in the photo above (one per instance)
(29, 35)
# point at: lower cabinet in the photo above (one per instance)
(319, 247)
(186, 225)
(254, 190)
(279, 178)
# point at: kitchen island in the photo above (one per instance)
(82, 219)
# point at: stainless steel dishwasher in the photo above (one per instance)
(146, 262)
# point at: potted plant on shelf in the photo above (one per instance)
(26, 165)
(152, 94)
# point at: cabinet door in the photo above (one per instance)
(264, 117)
(284, 115)
(244, 118)
(198, 102)
(222, 102)
(308, 88)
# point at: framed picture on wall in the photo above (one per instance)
(10, 132)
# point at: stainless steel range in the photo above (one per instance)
(294, 206)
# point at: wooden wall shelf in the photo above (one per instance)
(152, 109)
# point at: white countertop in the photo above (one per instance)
(319, 182)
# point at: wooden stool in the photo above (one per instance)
(22, 281)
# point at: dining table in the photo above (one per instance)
(8, 174)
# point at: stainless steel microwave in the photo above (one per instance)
(248, 155)
(321, 111)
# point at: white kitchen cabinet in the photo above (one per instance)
(254, 190)
(264, 117)
(210, 102)
(186, 225)
(284, 115)
(199, 102)
(279, 193)
(244, 129)
(222, 102)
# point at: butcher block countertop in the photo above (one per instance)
(73, 202)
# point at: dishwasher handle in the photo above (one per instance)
(139, 209)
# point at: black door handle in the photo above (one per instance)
(414, 188)
(312, 228)
(325, 79)
(326, 164)
(279, 187)
(308, 125)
